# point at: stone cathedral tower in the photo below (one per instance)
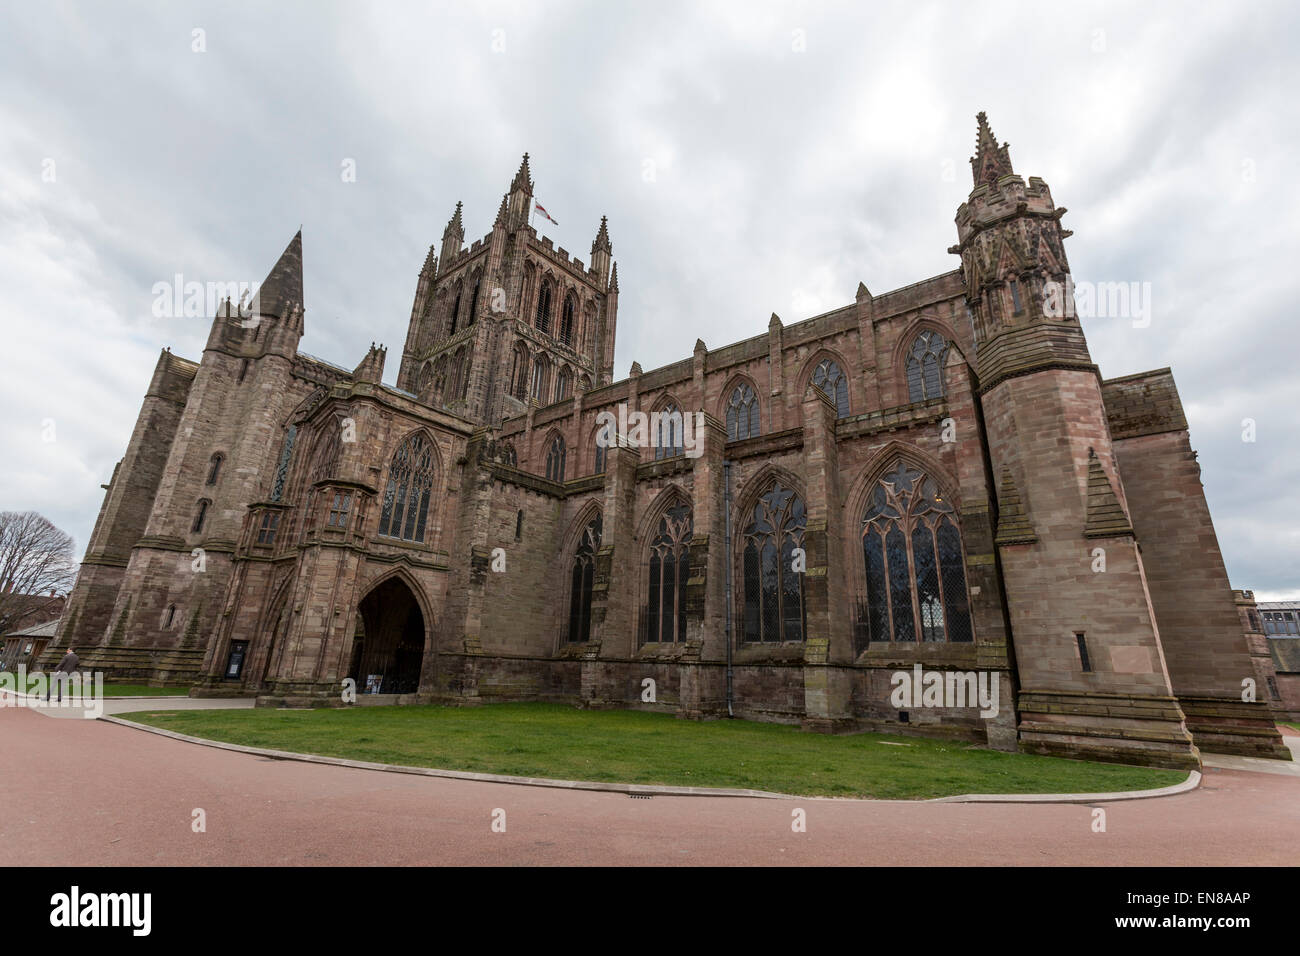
(511, 320)
(1095, 671)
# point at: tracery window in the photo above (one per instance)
(541, 375)
(582, 578)
(282, 468)
(668, 432)
(406, 497)
(774, 600)
(562, 385)
(925, 366)
(742, 413)
(555, 459)
(830, 379)
(669, 572)
(915, 573)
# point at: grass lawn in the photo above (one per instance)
(132, 690)
(551, 740)
(1290, 723)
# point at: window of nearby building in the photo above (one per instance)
(773, 590)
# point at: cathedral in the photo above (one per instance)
(933, 479)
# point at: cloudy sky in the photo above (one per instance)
(751, 159)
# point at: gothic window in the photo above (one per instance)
(282, 468)
(473, 304)
(669, 571)
(339, 510)
(773, 590)
(199, 516)
(925, 366)
(562, 385)
(566, 321)
(915, 574)
(543, 319)
(455, 314)
(555, 459)
(519, 374)
(742, 413)
(406, 497)
(214, 469)
(668, 432)
(541, 376)
(600, 457)
(270, 524)
(828, 377)
(582, 577)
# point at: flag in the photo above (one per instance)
(543, 211)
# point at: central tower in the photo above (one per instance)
(511, 320)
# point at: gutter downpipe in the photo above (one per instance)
(726, 499)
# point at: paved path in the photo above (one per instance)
(89, 792)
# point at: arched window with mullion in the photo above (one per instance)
(405, 507)
(925, 366)
(773, 609)
(742, 413)
(582, 577)
(912, 556)
(668, 437)
(669, 572)
(829, 377)
(555, 456)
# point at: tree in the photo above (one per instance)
(35, 563)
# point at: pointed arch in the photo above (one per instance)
(393, 635)
(472, 315)
(541, 379)
(519, 369)
(920, 380)
(453, 317)
(556, 452)
(569, 318)
(770, 525)
(828, 370)
(667, 427)
(408, 489)
(740, 407)
(910, 576)
(545, 304)
(586, 540)
(401, 573)
(664, 546)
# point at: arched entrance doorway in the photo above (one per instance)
(388, 648)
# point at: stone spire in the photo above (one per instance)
(452, 238)
(282, 287)
(601, 251)
(991, 161)
(523, 179)
(505, 207)
(613, 279)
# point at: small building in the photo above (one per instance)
(24, 646)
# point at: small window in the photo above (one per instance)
(519, 525)
(1272, 688)
(1016, 305)
(199, 517)
(339, 510)
(270, 523)
(1083, 651)
(214, 469)
(243, 370)
(171, 616)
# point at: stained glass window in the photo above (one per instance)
(282, 468)
(555, 459)
(668, 432)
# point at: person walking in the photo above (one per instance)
(60, 675)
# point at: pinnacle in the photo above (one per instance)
(991, 161)
(282, 287)
(501, 213)
(601, 243)
(523, 178)
(455, 224)
(613, 279)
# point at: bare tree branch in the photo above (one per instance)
(35, 562)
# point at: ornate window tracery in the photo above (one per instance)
(773, 590)
(925, 366)
(555, 459)
(405, 509)
(915, 571)
(669, 572)
(742, 413)
(582, 578)
(829, 377)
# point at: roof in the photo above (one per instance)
(1286, 654)
(1278, 605)
(48, 629)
